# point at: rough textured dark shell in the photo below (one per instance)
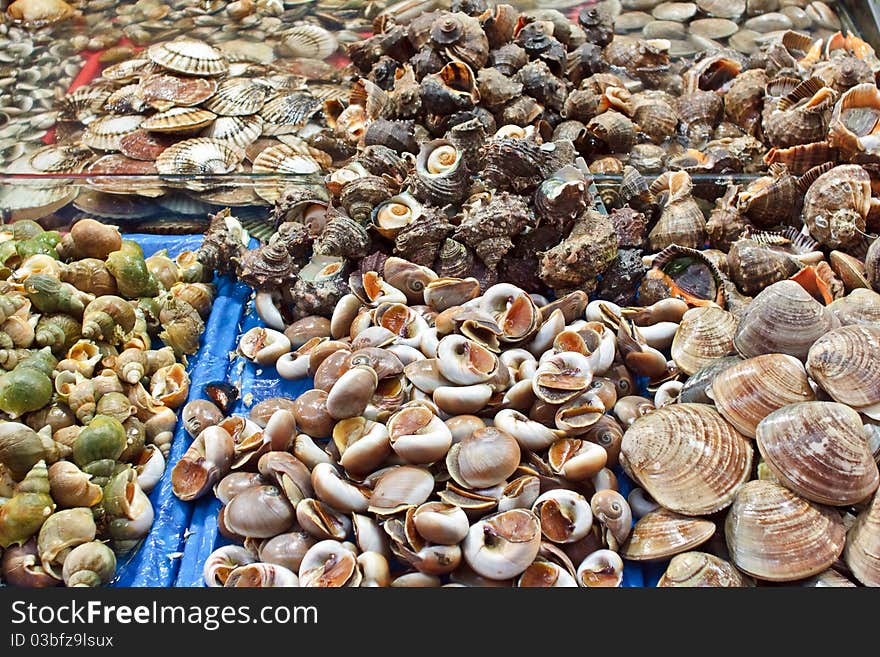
(587, 251)
(361, 195)
(420, 241)
(454, 259)
(770, 200)
(448, 183)
(396, 135)
(489, 228)
(744, 100)
(269, 267)
(836, 206)
(343, 237)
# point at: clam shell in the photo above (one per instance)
(661, 534)
(242, 131)
(713, 28)
(862, 553)
(310, 41)
(188, 56)
(199, 156)
(846, 364)
(775, 535)
(861, 306)
(748, 391)
(784, 319)
(284, 114)
(820, 451)
(687, 457)
(104, 133)
(239, 97)
(705, 334)
(722, 8)
(179, 119)
(701, 569)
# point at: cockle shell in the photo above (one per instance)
(775, 535)
(747, 391)
(845, 363)
(704, 335)
(188, 56)
(676, 452)
(820, 451)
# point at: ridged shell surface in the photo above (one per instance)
(846, 364)
(188, 56)
(661, 534)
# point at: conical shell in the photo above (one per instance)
(188, 56)
(179, 119)
(820, 451)
(661, 534)
(705, 334)
(241, 131)
(748, 391)
(105, 133)
(862, 553)
(775, 535)
(783, 319)
(687, 457)
(239, 97)
(846, 364)
(701, 569)
(200, 156)
(754, 266)
(856, 116)
(681, 222)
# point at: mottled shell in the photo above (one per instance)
(704, 334)
(783, 319)
(239, 97)
(754, 266)
(846, 364)
(287, 113)
(687, 457)
(701, 569)
(862, 553)
(744, 100)
(748, 391)
(661, 534)
(188, 56)
(775, 535)
(836, 206)
(820, 451)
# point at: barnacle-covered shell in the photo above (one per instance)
(588, 251)
(836, 206)
(489, 228)
(819, 450)
(188, 56)
(844, 362)
(775, 535)
(676, 454)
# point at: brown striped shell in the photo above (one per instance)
(747, 391)
(188, 56)
(241, 131)
(704, 334)
(862, 553)
(681, 222)
(846, 364)
(775, 535)
(239, 97)
(688, 458)
(819, 450)
(179, 119)
(661, 534)
(701, 569)
(104, 133)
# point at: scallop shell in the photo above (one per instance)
(143, 145)
(775, 535)
(748, 391)
(126, 100)
(661, 534)
(846, 364)
(242, 131)
(198, 157)
(783, 319)
(179, 119)
(166, 91)
(285, 114)
(284, 159)
(704, 335)
(188, 56)
(104, 133)
(239, 97)
(310, 41)
(862, 553)
(820, 451)
(687, 457)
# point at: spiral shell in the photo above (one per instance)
(687, 457)
(775, 535)
(845, 363)
(836, 206)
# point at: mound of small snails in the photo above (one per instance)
(88, 397)
(442, 417)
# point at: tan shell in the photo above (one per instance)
(705, 334)
(241, 131)
(861, 306)
(784, 319)
(285, 159)
(681, 222)
(846, 364)
(855, 118)
(836, 206)
(239, 97)
(775, 535)
(701, 569)
(188, 56)
(862, 553)
(166, 91)
(820, 451)
(747, 392)
(200, 156)
(661, 534)
(179, 119)
(105, 133)
(688, 458)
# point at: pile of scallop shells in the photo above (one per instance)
(456, 417)
(87, 397)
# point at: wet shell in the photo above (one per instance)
(105, 133)
(285, 114)
(284, 159)
(861, 306)
(753, 266)
(846, 364)
(770, 199)
(800, 117)
(179, 119)
(166, 91)
(656, 118)
(681, 222)
(241, 131)
(744, 100)
(200, 156)
(775, 535)
(820, 451)
(862, 553)
(701, 569)
(687, 457)
(239, 97)
(748, 391)
(855, 121)
(722, 8)
(704, 335)
(310, 41)
(188, 56)
(836, 206)
(661, 534)
(143, 145)
(783, 319)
